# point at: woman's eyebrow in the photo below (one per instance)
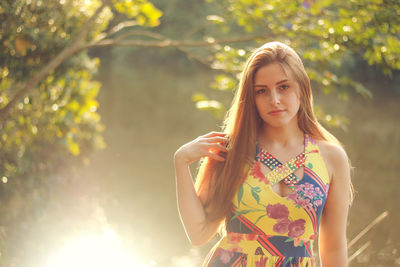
(262, 85)
(284, 80)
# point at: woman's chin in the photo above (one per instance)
(278, 123)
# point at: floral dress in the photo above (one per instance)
(266, 229)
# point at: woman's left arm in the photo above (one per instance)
(332, 231)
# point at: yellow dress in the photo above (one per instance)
(266, 229)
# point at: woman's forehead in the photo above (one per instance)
(271, 74)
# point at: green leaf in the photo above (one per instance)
(73, 147)
(256, 189)
(361, 89)
(224, 83)
(240, 194)
(241, 212)
(259, 219)
(209, 105)
(214, 106)
(198, 97)
(153, 14)
(255, 196)
(289, 259)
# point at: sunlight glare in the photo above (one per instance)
(100, 251)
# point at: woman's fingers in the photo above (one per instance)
(212, 134)
(215, 156)
(217, 139)
(208, 145)
(217, 146)
(213, 151)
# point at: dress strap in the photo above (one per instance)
(286, 170)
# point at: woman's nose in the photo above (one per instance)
(275, 97)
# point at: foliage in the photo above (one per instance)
(56, 126)
(328, 35)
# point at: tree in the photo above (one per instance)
(48, 97)
(48, 107)
(48, 117)
(329, 35)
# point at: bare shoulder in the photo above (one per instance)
(332, 152)
(334, 156)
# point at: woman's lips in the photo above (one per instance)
(276, 112)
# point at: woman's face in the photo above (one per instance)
(277, 96)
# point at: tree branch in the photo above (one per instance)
(119, 27)
(78, 45)
(197, 29)
(150, 34)
(202, 60)
(377, 220)
(71, 49)
(174, 43)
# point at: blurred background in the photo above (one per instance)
(96, 96)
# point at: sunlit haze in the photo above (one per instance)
(103, 250)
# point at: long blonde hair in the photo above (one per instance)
(221, 180)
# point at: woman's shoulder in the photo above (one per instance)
(331, 150)
(334, 156)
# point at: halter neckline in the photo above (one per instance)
(283, 171)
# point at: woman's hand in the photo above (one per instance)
(208, 145)
(191, 209)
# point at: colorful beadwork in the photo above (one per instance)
(284, 171)
(280, 171)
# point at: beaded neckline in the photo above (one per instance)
(283, 171)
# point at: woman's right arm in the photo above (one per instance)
(190, 206)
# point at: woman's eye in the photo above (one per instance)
(260, 91)
(284, 86)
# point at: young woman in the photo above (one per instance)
(275, 178)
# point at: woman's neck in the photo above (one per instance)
(280, 137)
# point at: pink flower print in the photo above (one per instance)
(318, 191)
(293, 196)
(282, 226)
(308, 186)
(234, 238)
(309, 194)
(305, 203)
(318, 202)
(277, 211)
(296, 228)
(225, 255)
(327, 187)
(300, 187)
(256, 171)
(262, 262)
